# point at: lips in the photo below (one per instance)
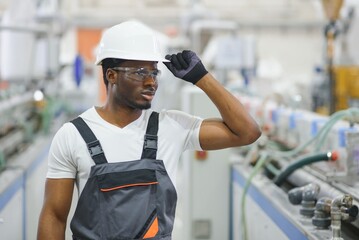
(148, 95)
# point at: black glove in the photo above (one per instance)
(186, 65)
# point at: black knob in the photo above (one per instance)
(353, 211)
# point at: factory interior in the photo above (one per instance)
(293, 64)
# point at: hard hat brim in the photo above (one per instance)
(132, 58)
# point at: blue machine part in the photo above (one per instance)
(293, 120)
(78, 69)
(315, 125)
(275, 115)
(342, 135)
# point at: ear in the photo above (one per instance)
(111, 75)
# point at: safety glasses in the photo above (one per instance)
(139, 74)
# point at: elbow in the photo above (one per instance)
(252, 134)
(246, 136)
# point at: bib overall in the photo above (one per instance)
(126, 200)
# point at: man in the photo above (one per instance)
(123, 156)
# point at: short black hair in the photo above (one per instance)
(109, 63)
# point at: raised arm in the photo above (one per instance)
(237, 127)
(57, 203)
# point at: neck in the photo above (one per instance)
(118, 116)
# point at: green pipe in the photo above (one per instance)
(2, 160)
(279, 179)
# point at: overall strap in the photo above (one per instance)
(150, 143)
(93, 145)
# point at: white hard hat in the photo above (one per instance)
(130, 40)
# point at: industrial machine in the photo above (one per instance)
(31, 108)
(29, 96)
(300, 180)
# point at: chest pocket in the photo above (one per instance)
(127, 200)
(129, 203)
(122, 180)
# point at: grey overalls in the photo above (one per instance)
(126, 200)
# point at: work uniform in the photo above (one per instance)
(125, 200)
(144, 195)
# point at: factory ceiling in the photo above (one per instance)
(96, 13)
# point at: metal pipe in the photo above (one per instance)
(24, 29)
(11, 141)
(16, 101)
(302, 177)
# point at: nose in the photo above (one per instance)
(150, 80)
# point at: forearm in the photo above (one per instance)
(237, 127)
(51, 228)
(233, 113)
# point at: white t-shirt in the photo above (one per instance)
(70, 158)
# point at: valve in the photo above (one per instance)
(332, 212)
(342, 208)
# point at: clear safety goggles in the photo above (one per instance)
(139, 74)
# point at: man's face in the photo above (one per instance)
(135, 84)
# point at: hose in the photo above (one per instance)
(272, 169)
(279, 179)
(321, 136)
(351, 113)
(281, 176)
(2, 160)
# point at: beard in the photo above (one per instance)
(138, 105)
(142, 106)
(132, 103)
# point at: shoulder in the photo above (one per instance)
(177, 115)
(178, 118)
(90, 114)
(66, 134)
(68, 131)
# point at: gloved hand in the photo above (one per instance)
(186, 65)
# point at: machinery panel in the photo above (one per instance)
(206, 179)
